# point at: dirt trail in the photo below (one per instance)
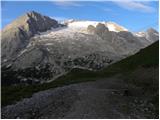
(107, 98)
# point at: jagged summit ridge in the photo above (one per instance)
(16, 35)
(34, 21)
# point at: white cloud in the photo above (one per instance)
(135, 5)
(67, 3)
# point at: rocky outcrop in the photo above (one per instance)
(152, 35)
(16, 35)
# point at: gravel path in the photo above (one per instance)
(99, 99)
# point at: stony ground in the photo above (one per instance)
(106, 98)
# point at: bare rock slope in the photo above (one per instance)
(16, 35)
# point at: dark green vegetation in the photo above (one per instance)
(10, 77)
(146, 58)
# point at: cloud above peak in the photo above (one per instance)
(135, 5)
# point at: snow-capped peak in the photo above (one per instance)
(84, 24)
(140, 34)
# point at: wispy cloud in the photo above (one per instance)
(67, 3)
(135, 5)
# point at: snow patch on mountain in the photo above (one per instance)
(84, 24)
(115, 27)
(140, 34)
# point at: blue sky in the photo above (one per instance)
(134, 15)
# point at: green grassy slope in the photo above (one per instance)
(146, 58)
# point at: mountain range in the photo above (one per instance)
(39, 48)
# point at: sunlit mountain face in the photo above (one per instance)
(35, 42)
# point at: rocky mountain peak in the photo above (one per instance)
(152, 34)
(17, 34)
(151, 30)
(32, 13)
(34, 21)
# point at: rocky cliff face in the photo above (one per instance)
(16, 35)
(34, 43)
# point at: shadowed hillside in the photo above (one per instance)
(146, 58)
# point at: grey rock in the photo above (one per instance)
(16, 35)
